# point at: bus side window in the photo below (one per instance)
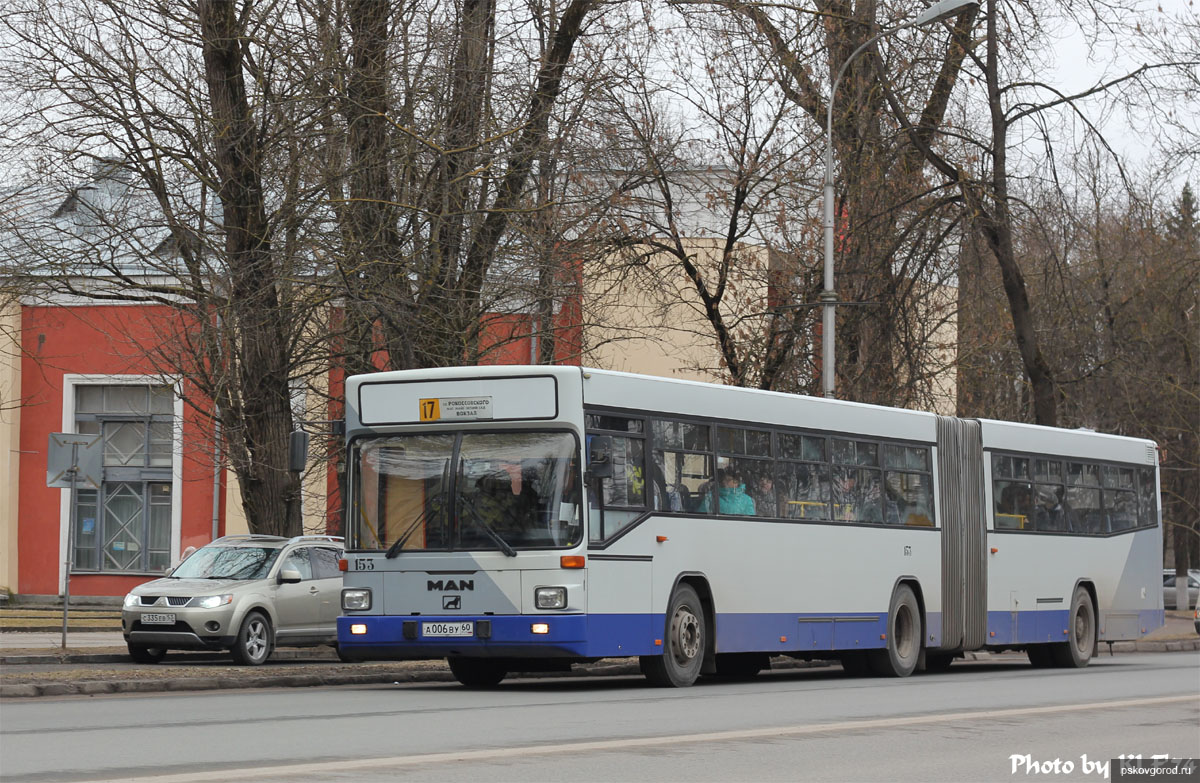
(1012, 492)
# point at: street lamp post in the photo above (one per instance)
(935, 13)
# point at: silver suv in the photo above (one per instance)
(241, 593)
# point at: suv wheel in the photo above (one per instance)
(253, 644)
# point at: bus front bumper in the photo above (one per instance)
(413, 637)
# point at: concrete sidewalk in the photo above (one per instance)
(35, 664)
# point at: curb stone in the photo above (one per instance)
(396, 676)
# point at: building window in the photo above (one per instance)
(125, 525)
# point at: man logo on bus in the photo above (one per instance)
(437, 585)
(452, 602)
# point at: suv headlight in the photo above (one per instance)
(132, 600)
(212, 601)
(550, 597)
(356, 600)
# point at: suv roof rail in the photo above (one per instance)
(329, 539)
(250, 537)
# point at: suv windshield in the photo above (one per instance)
(489, 490)
(228, 562)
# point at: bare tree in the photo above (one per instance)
(980, 164)
(893, 221)
(440, 165)
(190, 144)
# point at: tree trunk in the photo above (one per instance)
(260, 407)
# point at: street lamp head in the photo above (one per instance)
(943, 9)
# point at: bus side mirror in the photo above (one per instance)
(600, 457)
(298, 451)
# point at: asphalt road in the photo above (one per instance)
(815, 724)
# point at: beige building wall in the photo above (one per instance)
(649, 319)
(945, 351)
(10, 441)
(235, 515)
(314, 488)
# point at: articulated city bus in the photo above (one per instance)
(515, 519)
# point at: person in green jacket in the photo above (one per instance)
(731, 495)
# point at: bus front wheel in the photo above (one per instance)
(903, 651)
(684, 644)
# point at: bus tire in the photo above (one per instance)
(741, 666)
(903, 651)
(684, 643)
(477, 672)
(1081, 633)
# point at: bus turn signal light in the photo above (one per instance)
(343, 565)
(572, 561)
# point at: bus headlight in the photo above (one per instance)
(355, 600)
(550, 597)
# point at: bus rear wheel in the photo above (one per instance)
(903, 651)
(1076, 652)
(477, 672)
(683, 646)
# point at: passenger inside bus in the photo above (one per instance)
(765, 503)
(731, 495)
(854, 500)
(1051, 514)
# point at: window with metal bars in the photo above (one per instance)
(125, 525)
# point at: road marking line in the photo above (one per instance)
(349, 765)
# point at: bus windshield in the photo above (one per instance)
(466, 491)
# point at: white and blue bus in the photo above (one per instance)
(515, 519)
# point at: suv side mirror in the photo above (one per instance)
(288, 576)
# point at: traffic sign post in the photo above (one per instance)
(72, 460)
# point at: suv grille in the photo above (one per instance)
(169, 600)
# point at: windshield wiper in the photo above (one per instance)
(397, 547)
(505, 547)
